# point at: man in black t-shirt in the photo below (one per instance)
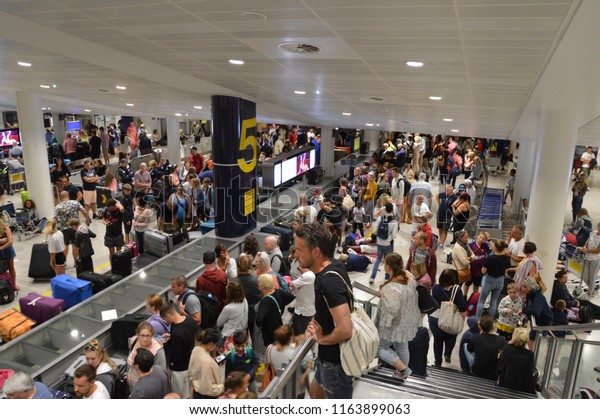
(113, 220)
(332, 323)
(95, 146)
(486, 346)
(90, 180)
(74, 192)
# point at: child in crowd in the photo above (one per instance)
(510, 186)
(235, 384)
(358, 218)
(83, 243)
(242, 358)
(559, 313)
(508, 312)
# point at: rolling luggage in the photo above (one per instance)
(286, 236)
(364, 147)
(41, 308)
(39, 264)
(315, 176)
(71, 290)
(418, 348)
(121, 262)
(124, 328)
(100, 281)
(7, 292)
(13, 324)
(157, 243)
(133, 249)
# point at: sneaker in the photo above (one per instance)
(441, 247)
(371, 281)
(447, 359)
(402, 375)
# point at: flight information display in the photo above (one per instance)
(290, 166)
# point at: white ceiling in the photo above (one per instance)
(483, 57)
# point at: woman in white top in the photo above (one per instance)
(225, 263)
(56, 246)
(282, 350)
(234, 316)
(141, 222)
(591, 264)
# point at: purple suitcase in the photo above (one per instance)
(41, 308)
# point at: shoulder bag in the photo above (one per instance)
(269, 373)
(360, 350)
(450, 319)
(427, 304)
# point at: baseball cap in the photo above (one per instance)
(193, 147)
(462, 187)
(124, 160)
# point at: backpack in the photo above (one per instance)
(407, 186)
(586, 314)
(435, 241)
(450, 161)
(211, 307)
(284, 266)
(383, 229)
(283, 284)
(55, 151)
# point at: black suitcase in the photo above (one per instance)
(364, 147)
(121, 262)
(286, 236)
(418, 348)
(39, 264)
(124, 328)
(100, 281)
(315, 176)
(7, 293)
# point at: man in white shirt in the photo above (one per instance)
(305, 212)
(420, 209)
(397, 188)
(85, 384)
(516, 241)
(278, 147)
(421, 187)
(586, 160)
(470, 189)
(303, 288)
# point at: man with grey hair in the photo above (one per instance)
(142, 179)
(421, 187)
(274, 252)
(20, 385)
(470, 189)
(305, 212)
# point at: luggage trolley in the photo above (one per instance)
(489, 216)
(573, 258)
(493, 162)
(16, 180)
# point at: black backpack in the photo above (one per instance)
(284, 267)
(211, 307)
(586, 314)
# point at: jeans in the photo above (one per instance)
(382, 251)
(439, 339)
(576, 205)
(469, 356)
(389, 355)
(333, 379)
(493, 285)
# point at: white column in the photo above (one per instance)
(550, 189)
(327, 154)
(173, 144)
(525, 168)
(372, 136)
(35, 154)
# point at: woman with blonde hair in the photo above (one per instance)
(7, 253)
(144, 338)
(56, 246)
(516, 364)
(154, 303)
(107, 371)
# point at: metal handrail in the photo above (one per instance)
(277, 385)
(569, 327)
(365, 288)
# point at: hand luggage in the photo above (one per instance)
(286, 236)
(41, 308)
(418, 348)
(39, 264)
(100, 281)
(364, 147)
(13, 324)
(157, 243)
(71, 290)
(124, 328)
(121, 262)
(7, 292)
(133, 249)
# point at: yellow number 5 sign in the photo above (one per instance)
(245, 142)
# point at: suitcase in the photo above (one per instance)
(124, 328)
(364, 147)
(286, 236)
(157, 243)
(7, 292)
(13, 324)
(315, 176)
(41, 308)
(121, 262)
(71, 290)
(133, 249)
(39, 264)
(418, 349)
(100, 281)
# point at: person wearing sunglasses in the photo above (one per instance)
(107, 371)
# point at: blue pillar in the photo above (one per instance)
(235, 157)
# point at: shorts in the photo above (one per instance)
(68, 235)
(60, 259)
(114, 241)
(127, 227)
(89, 197)
(443, 225)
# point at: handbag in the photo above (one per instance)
(269, 373)
(450, 320)
(464, 275)
(427, 304)
(360, 350)
(540, 282)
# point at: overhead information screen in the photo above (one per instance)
(287, 167)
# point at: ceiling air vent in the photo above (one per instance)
(299, 48)
(374, 99)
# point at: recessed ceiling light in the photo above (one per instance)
(121, 87)
(130, 104)
(187, 114)
(300, 92)
(177, 114)
(454, 130)
(87, 110)
(448, 119)
(197, 107)
(24, 64)
(377, 124)
(44, 86)
(49, 108)
(54, 86)
(236, 62)
(318, 92)
(369, 125)
(43, 109)
(346, 113)
(435, 97)
(254, 16)
(414, 63)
